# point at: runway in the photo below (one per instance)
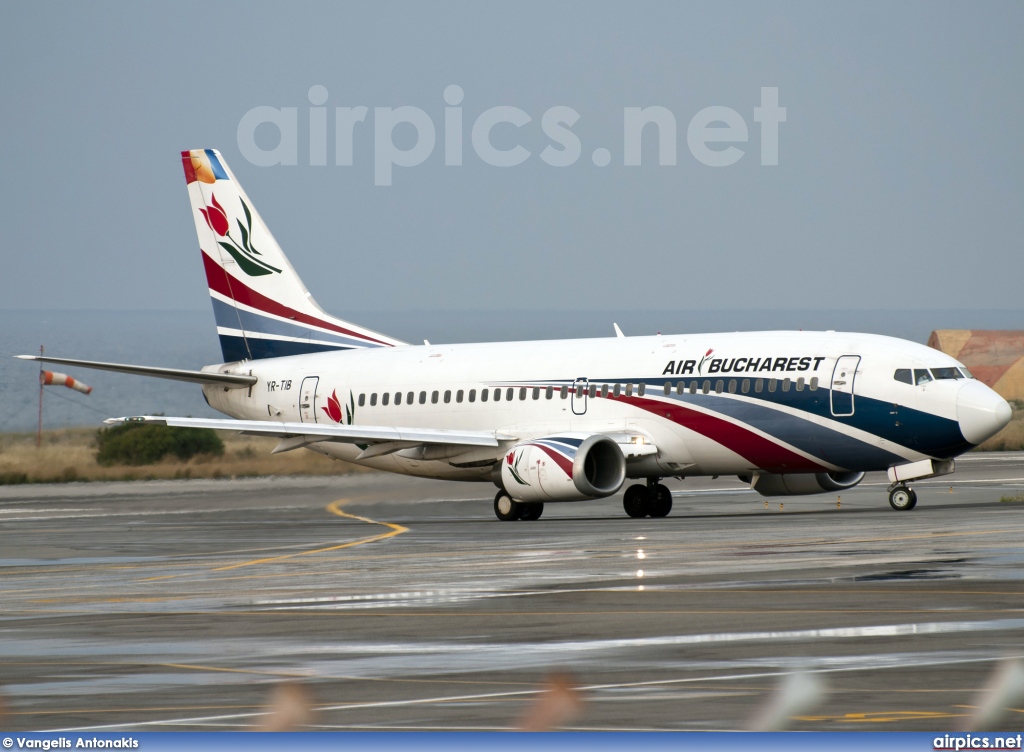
(404, 604)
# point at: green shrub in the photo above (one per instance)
(146, 443)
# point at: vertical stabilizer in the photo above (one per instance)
(261, 307)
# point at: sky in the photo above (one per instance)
(898, 184)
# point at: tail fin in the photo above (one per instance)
(261, 307)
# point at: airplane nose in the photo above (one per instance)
(982, 413)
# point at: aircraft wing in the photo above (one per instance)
(386, 439)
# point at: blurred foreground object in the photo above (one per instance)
(996, 358)
(289, 708)
(1005, 689)
(559, 703)
(797, 694)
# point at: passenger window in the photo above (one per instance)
(668, 389)
(693, 387)
(680, 387)
(459, 395)
(772, 383)
(423, 398)
(732, 386)
(522, 393)
(706, 387)
(385, 398)
(551, 390)
(719, 386)
(921, 376)
(814, 383)
(759, 386)
(433, 398)
(497, 395)
(408, 397)
(615, 391)
(373, 399)
(629, 390)
(800, 384)
(536, 392)
(946, 373)
(447, 396)
(484, 394)
(903, 375)
(362, 400)
(398, 398)
(564, 391)
(472, 395)
(593, 391)
(640, 389)
(785, 384)
(745, 387)
(508, 394)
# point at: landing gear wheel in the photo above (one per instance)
(505, 509)
(660, 503)
(902, 499)
(635, 501)
(531, 512)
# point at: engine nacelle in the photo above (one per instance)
(802, 484)
(564, 467)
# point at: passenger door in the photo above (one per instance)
(307, 399)
(843, 376)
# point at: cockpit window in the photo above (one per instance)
(903, 374)
(921, 376)
(947, 373)
(966, 373)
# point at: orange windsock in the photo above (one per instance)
(57, 379)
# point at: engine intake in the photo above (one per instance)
(564, 467)
(802, 484)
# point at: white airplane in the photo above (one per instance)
(550, 421)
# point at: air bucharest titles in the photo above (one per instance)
(789, 413)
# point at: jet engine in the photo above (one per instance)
(563, 467)
(801, 484)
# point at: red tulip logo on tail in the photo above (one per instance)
(244, 254)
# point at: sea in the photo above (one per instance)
(187, 339)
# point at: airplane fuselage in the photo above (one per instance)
(711, 404)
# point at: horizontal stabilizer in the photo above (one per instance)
(313, 432)
(175, 374)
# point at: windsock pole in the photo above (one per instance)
(39, 430)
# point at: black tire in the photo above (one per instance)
(531, 512)
(660, 501)
(505, 509)
(635, 501)
(902, 499)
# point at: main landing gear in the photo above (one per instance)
(902, 498)
(652, 500)
(507, 510)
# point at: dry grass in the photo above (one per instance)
(1011, 438)
(70, 454)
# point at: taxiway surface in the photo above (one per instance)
(404, 604)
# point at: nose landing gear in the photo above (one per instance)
(902, 498)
